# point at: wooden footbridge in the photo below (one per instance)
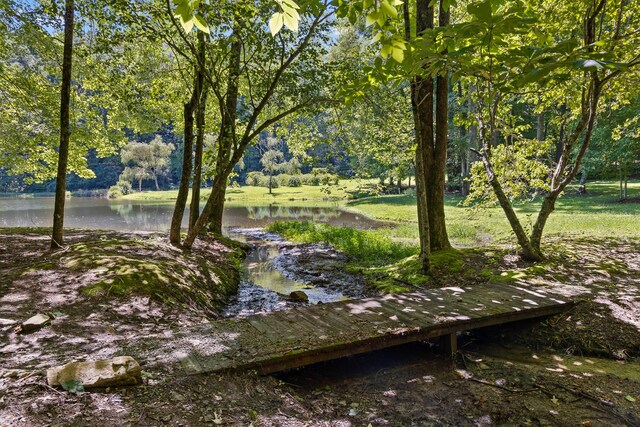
(288, 339)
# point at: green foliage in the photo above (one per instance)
(521, 168)
(368, 247)
(73, 386)
(146, 161)
(121, 188)
(294, 181)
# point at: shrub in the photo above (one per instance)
(368, 246)
(294, 181)
(283, 179)
(255, 178)
(120, 189)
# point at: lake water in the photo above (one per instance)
(123, 215)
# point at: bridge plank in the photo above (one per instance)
(288, 339)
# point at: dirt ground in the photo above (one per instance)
(539, 374)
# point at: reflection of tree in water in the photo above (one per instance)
(144, 217)
(271, 211)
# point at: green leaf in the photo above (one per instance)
(276, 22)
(187, 24)
(481, 10)
(630, 398)
(73, 386)
(397, 54)
(371, 18)
(290, 22)
(388, 9)
(201, 24)
(385, 51)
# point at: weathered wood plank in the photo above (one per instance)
(301, 336)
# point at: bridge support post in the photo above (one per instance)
(449, 344)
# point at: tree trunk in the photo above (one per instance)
(540, 127)
(211, 215)
(65, 129)
(185, 177)
(155, 179)
(270, 181)
(194, 209)
(139, 185)
(437, 168)
(620, 180)
(218, 192)
(422, 109)
(187, 155)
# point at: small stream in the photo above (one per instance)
(275, 268)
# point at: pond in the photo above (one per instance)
(125, 215)
(264, 286)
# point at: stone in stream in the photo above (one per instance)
(33, 323)
(298, 296)
(119, 371)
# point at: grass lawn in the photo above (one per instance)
(317, 196)
(597, 214)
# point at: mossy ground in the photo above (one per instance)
(105, 265)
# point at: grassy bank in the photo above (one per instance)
(319, 196)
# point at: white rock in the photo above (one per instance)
(34, 323)
(122, 370)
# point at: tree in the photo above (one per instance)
(65, 130)
(272, 160)
(615, 150)
(502, 70)
(275, 77)
(146, 161)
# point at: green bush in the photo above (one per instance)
(283, 179)
(294, 181)
(121, 188)
(257, 179)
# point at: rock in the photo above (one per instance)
(122, 370)
(298, 296)
(33, 324)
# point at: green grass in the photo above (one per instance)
(317, 196)
(369, 247)
(597, 214)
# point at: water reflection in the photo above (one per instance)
(122, 215)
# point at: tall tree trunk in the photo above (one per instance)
(437, 168)
(155, 179)
(194, 209)
(422, 109)
(226, 139)
(185, 177)
(139, 185)
(65, 130)
(187, 155)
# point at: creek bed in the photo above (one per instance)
(275, 268)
